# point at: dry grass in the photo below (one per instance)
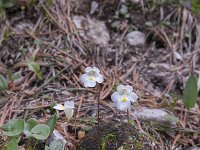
(49, 35)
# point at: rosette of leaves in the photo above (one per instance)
(30, 128)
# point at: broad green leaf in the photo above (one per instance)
(29, 124)
(56, 144)
(3, 83)
(40, 132)
(1, 3)
(190, 92)
(35, 67)
(12, 144)
(51, 122)
(1, 11)
(13, 127)
(8, 4)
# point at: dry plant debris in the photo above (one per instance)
(158, 70)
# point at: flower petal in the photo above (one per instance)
(84, 78)
(99, 78)
(69, 113)
(115, 97)
(123, 106)
(59, 107)
(90, 83)
(129, 88)
(132, 96)
(96, 70)
(88, 69)
(120, 87)
(69, 104)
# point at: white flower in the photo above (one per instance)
(123, 97)
(68, 108)
(91, 76)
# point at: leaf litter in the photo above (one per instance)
(158, 70)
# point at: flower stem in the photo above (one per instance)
(129, 126)
(128, 116)
(98, 114)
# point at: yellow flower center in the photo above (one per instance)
(62, 107)
(124, 99)
(91, 78)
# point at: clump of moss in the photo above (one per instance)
(33, 144)
(113, 136)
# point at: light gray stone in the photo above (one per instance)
(92, 30)
(157, 115)
(135, 38)
(135, 1)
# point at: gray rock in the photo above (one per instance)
(135, 1)
(98, 32)
(195, 148)
(135, 38)
(92, 30)
(57, 135)
(123, 10)
(94, 7)
(156, 115)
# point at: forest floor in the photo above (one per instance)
(65, 36)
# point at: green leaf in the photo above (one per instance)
(1, 3)
(190, 92)
(13, 127)
(3, 83)
(1, 11)
(56, 144)
(35, 67)
(195, 6)
(52, 105)
(8, 4)
(40, 132)
(51, 122)
(12, 144)
(29, 124)
(49, 3)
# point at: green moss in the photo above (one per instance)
(113, 136)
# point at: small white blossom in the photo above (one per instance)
(68, 108)
(123, 97)
(91, 77)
